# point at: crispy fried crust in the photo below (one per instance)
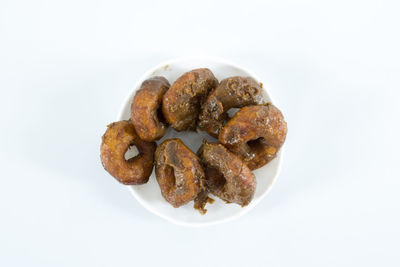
(233, 92)
(115, 142)
(146, 109)
(178, 171)
(227, 176)
(182, 102)
(255, 134)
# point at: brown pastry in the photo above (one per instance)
(233, 92)
(255, 134)
(227, 176)
(178, 171)
(146, 112)
(115, 142)
(182, 102)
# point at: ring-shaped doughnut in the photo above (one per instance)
(178, 172)
(182, 102)
(146, 112)
(117, 139)
(255, 134)
(233, 92)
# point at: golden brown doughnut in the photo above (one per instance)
(233, 92)
(146, 112)
(178, 171)
(227, 176)
(182, 102)
(115, 142)
(255, 134)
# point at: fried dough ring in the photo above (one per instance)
(115, 142)
(182, 102)
(233, 92)
(145, 109)
(178, 172)
(227, 176)
(255, 134)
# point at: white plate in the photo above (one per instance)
(149, 195)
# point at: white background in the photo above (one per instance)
(332, 66)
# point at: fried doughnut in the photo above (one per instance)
(227, 176)
(182, 102)
(178, 172)
(233, 92)
(145, 109)
(255, 134)
(115, 142)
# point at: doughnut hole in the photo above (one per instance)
(131, 152)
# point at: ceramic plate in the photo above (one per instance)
(149, 194)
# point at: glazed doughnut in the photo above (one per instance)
(227, 176)
(233, 92)
(146, 113)
(178, 172)
(182, 102)
(115, 142)
(255, 134)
